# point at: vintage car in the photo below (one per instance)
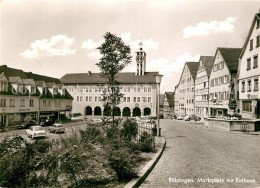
(192, 117)
(35, 131)
(179, 118)
(26, 125)
(57, 128)
(98, 121)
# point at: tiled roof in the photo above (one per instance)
(37, 77)
(193, 67)
(257, 16)
(208, 62)
(231, 56)
(95, 78)
(11, 72)
(170, 98)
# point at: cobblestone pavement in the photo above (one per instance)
(194, 151)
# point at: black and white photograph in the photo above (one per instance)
(129, 93)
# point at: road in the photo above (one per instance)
(195, 152)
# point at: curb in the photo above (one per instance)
(148, 168)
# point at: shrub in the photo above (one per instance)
(129, 130)
(92, 134)
(146, 142)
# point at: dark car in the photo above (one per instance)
(26, 125)
(47, 122)
(192, 117)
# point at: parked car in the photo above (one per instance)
(57, 128)
(179, 118)
(26, 125)
(97, 121)
(192, 117)
(35, 131)
(47, 122)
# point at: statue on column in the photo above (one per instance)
(232, 99)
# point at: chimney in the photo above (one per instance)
(89, 72)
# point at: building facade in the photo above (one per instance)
(185, 90)
(249, 72)
(168, 104)
(23, 97)
(139, 89)
(224, 72)
(202, 85)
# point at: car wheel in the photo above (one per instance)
(199, 119)
(188, 119)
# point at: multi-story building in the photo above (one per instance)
(176, 100)
(23, 97)
(202, 85)
(185, 90)
(223, 72)
(168, 104)
(249, 72)
(139, 89)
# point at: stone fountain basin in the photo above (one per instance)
(244, 125)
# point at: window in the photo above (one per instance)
(216, 81)
(258, 41)
(212, 82)
(149, 99)
(55, 103)
(96, 89)
(251, 44)
(128, 89)
(257, 23)
(90, 99)
(256, 84)
(128, 99)
(149, 89)
(139, 89)
(86, 89)
(248, 85)
(145, 89)
(80, 89)
(134, 89)
(246, 106)
(33, 89)
(248, 64)
(99, 98)
(255, 61)
(243, 86)
(138, 99)
(78, 98)
(134, 99)
(87, 99)
(22, 102)
(31, 102)
(44, 103)
(144, 99)
(3, 102)
(96, 99)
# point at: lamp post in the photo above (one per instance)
(3, 117)
(158, 79)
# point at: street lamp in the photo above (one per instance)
(158, 79)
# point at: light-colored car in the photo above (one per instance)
(97, 121)
(35, 131)
(57, 128)
(179, 118)
(192, 117)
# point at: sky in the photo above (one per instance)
(55, 37)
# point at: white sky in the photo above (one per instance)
(58, 37)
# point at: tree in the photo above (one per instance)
(115, 56)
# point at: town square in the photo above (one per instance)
(129, 93)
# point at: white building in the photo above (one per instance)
(184, 92)
(139, 89)
(249, 72)
(202, 85)
(224, 70)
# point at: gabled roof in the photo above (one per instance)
(50, 84)
(3, 77)
(193, 67)
(257, 16)
(40, 83)
(207, 63)
(230, 56)
(170, 98)
(96, 78)
(15, 80)
(28, 82)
